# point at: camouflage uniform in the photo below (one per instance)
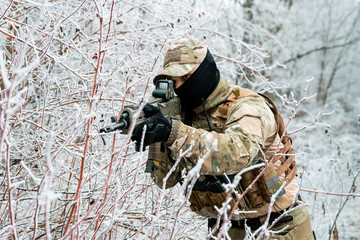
(246, 127)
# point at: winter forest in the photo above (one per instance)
(67, 67)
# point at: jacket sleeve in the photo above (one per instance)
(249, 123)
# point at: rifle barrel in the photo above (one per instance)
(114, 127)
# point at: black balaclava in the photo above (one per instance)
(200, 84)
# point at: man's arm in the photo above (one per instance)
(249, 124)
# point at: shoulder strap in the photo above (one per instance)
(287, 154)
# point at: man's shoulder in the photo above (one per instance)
(239, 92)
(245, 102)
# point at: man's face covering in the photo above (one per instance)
(200, 84)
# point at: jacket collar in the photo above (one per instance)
(218, 96)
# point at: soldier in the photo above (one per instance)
(247, 129)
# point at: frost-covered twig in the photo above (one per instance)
(330, 193)
(191, 178)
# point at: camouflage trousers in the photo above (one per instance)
(299, 228)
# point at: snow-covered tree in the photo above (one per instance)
(68, 66)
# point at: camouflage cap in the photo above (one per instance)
(182, 57)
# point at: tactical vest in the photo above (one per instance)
(209, 192)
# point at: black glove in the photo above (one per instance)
(157, 127)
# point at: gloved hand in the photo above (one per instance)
(157, 127)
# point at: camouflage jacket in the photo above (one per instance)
(238, 138)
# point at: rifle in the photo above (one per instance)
(170, 107)
(163, 98)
